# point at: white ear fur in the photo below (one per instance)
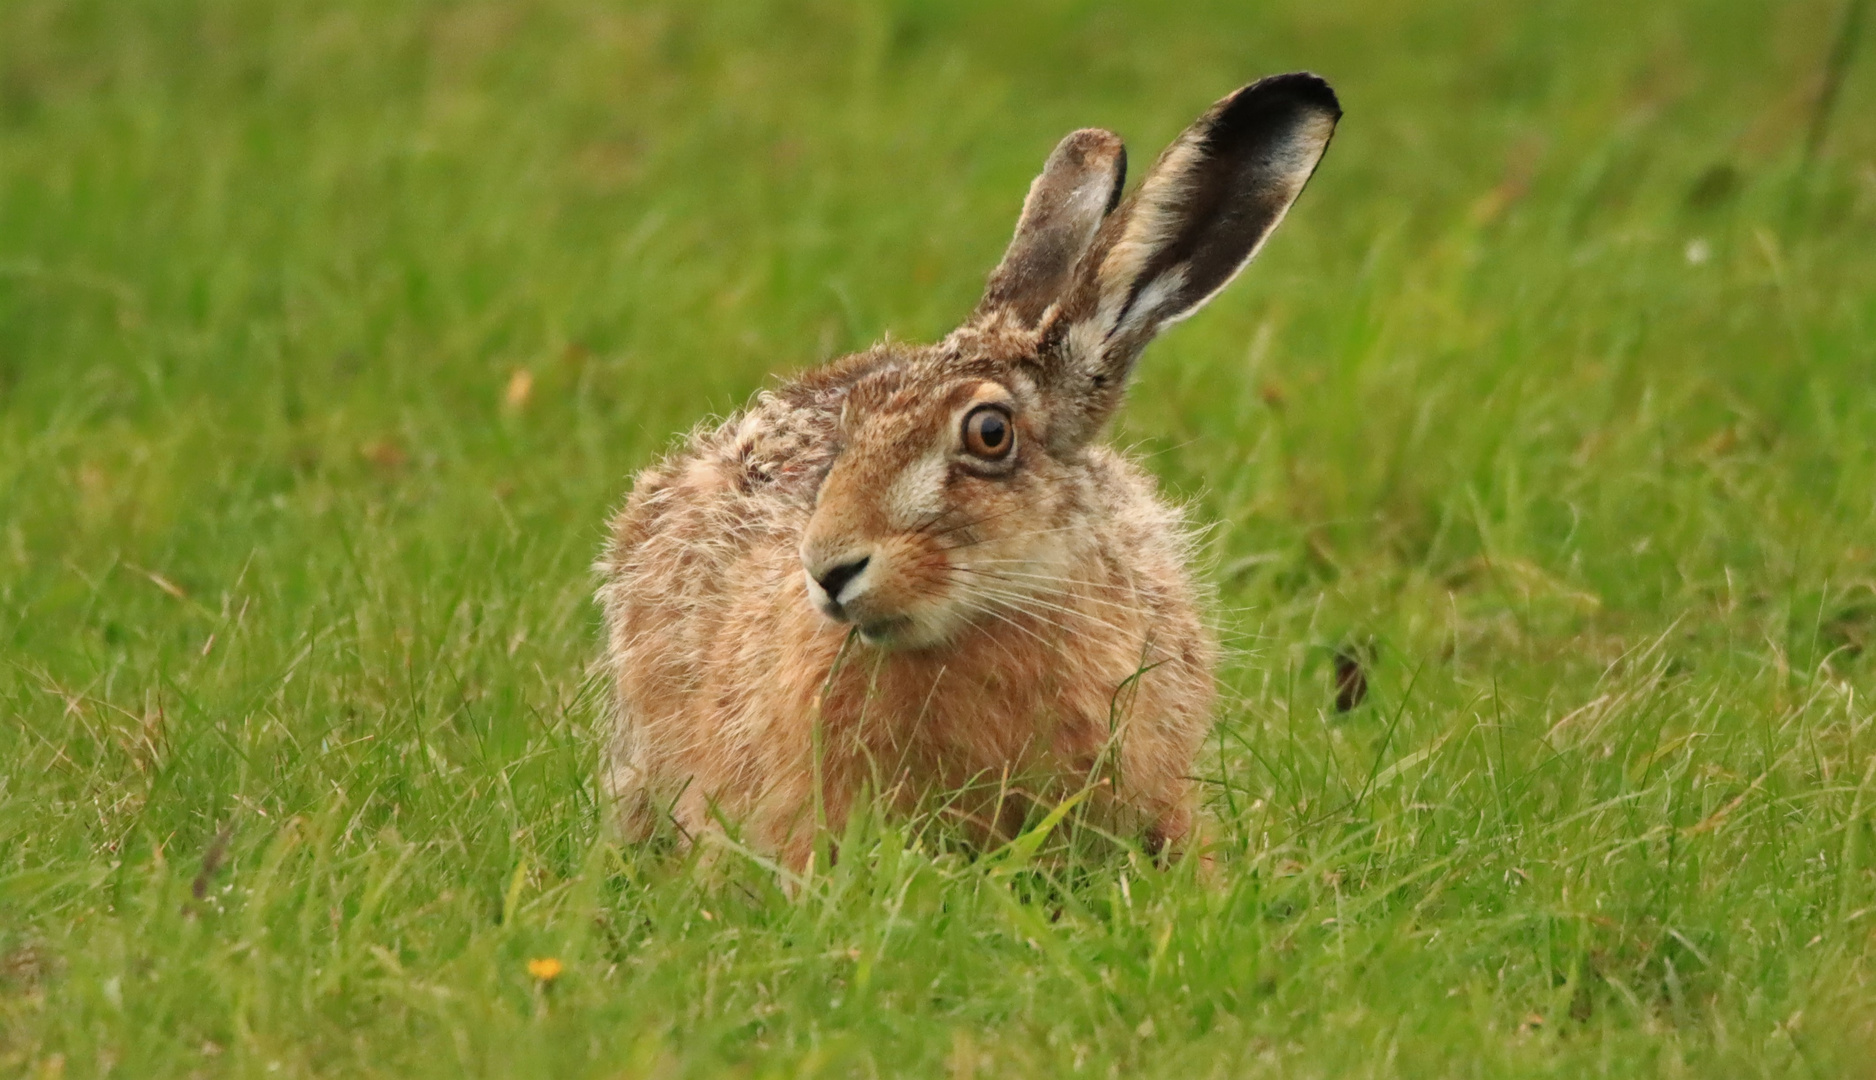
(1202, 213)
(1201, 216)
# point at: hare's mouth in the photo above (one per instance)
(886, 631)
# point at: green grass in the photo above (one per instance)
(1555, 396)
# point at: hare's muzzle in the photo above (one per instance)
(844, 587)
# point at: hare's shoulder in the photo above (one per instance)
(1130, 496)
(752, 473)
(773, 453)
(1152, 535)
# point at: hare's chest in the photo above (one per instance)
(941, 727)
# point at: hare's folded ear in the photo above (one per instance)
(1200, 215)
(1078, 186)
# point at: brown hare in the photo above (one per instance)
(918, 572)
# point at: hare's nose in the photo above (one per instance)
(835, 578)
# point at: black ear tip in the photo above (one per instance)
(1298, 89)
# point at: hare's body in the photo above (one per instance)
(725, 669)
(917, 572)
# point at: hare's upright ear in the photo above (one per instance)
(1200, 215)
(1078, 186)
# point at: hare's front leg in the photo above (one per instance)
(784, 819)
(624, 781)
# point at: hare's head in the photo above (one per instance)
(961, 488)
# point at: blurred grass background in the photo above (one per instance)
(330, 332)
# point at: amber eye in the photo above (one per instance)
(988, 433)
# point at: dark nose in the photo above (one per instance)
(836, 578)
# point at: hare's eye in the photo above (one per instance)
(988, 433)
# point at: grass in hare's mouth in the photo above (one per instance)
(329, 333)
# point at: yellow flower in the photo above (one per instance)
(545, 968)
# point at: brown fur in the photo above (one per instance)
(1022, 628)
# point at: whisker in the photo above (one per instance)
(983, 609)
(1024, 582)
(936, 573)
(980, 628)
(1012, 577)
(1033, 605)
(937, 517)
(1016, 536)
(978, 521)
(1025, 534)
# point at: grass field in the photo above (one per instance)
(331, 332)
